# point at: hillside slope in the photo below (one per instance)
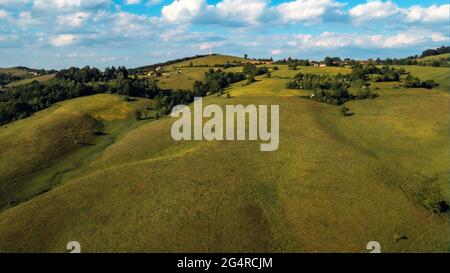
(335, 183)
(38, 150)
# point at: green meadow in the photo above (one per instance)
(86, 170)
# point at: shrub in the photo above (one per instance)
(346, 111)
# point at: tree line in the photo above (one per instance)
(6, 78)
(330, 89)
(145, 69)
(214, 82)
(22, 101)
(335, 89)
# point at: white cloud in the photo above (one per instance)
(307, 10)
(12, 3)
(69, 5)
(431, 14)
(153, 2)
(340, 40)
(249, 11)
(78, 55)
(63, 40)
(276, 52)
(132, 2)
(74, 19)
(4, 15)
(379, 10)
(209, 45)
(374, 10)
(26, 19)
(180, 11)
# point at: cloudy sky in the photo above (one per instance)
(62, 33)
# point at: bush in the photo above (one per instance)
(346, 111)
(250, 79)
(414, 82)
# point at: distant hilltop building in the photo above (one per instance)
(318, 64)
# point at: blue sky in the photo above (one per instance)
(63, 33)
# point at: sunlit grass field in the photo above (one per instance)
(334, 184)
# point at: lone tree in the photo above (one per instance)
(245, 56)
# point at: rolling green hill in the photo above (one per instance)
(436, 57)
(429, 59)
(335, 183)
(210, 60)
(188, 75)
(42, 78)
(40, 150)
(17, 71)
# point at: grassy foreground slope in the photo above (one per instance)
(38, 151)
(335, 183)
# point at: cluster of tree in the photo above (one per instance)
(414, 82)
(145, 69)
(315, 81)
(293, 62)
(331, 89)
(252, 71)
(372, 72)
(87, 74)
(437, 51)
(414, 60)
(215, 81)
(263, 60)
(167, 99)
(332, 61)
(6, 78)
(23, 100)
(229, 65)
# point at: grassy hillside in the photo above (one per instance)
(189, 75)
(429, 59)
(436, 57)
(210, 60)
(440, 74)
(19, 72)
(42, 78)
(38, 151)
(335, 183)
